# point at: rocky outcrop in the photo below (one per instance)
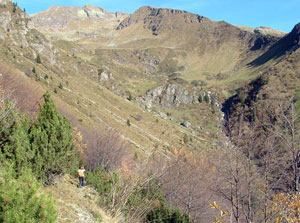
(105, 76)
(269, 31)
(59, 17)
(4, 2)
(14, 25)
(17, 28)
(169, 96)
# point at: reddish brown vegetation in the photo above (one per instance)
(26, 94)
(105, 149)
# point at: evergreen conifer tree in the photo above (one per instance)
(38, 59)
(17, 148)
(52, 142)
(20, 199)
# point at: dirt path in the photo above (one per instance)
(77, 205)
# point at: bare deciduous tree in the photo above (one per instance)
(186, 184)
(105, 149)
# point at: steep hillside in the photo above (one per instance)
(75, 86)
(77, 204)
(187, 65)
(198, 47)
(259, 102)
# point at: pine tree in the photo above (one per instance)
(52, 142)
(38, 59)
(14, 7)
(21, 199)
(206, 98)
(17, 148)
(200, 99)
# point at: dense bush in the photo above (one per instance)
(21, 200)
(164, 214)
(103, 183)
(134, 198)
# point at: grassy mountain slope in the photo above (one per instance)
(194, 46)
(80, 96)
(154, 47)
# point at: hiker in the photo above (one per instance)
(81, 176)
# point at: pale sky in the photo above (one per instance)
(277, 14)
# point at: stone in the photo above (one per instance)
(4, 2)
(186, 124)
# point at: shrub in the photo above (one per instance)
(21, 201)
(200, 99)
(103, 182)
(129, 98)
(185, 139)
(164, 214)
(46, 146)
(131, 197)
(38, 59)
(195, 83)
(206, 98)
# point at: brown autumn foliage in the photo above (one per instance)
(186, 182)
(104, 148)
(26, 94)
(286, 208)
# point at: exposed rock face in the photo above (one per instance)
(75, 23)
(105, 76)
(186, 124)
(14, 26)
(59, 17)
(169, 96)
(17, 29)
(269, 31)
(265, 31)
(4, 2)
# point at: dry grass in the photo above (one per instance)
(77, 205)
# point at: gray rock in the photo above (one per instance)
(186, 124)
(4, 2)
(170, 95)
(105, 76)
(163, 115)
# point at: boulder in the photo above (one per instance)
(186, 124)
